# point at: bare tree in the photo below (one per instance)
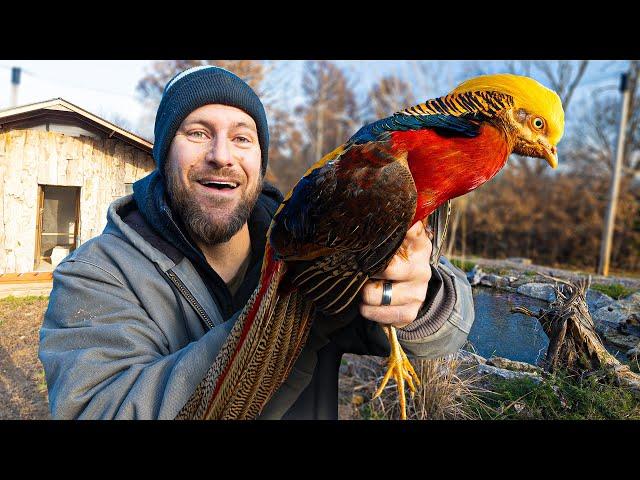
(432, 78)
(563, 77)
(389, 95)
(330, 113)
(286, 150)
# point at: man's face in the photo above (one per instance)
(213, 172)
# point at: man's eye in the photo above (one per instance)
(197, 135)
(242, 139)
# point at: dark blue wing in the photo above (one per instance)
(467, 126)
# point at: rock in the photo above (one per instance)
(634, 353)
(624, 313)
(513, 365)
(511, 279)
(615, 313)
(492, 280)
(475, 275)
(625, 342)
(542, 291)
(507, 374)
(597, 300)
(485, 280)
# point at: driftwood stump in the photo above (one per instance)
(573, 342)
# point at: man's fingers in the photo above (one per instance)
(398, 270)
(412, 257)
(401, 293)
(399, 317)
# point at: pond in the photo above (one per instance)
(498, 332)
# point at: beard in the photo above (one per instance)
(204, 222)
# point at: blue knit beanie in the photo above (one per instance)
(200, 86)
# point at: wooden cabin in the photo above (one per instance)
(60, 168)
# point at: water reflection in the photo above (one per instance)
(498, 332)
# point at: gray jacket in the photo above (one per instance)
(129, 333)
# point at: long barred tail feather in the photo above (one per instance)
(270, 366)
(250, 382)
(268, 334)
(298, 326)
(305, 312)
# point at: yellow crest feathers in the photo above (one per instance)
(527, 93)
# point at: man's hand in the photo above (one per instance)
(409, 271)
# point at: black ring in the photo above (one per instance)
(386, 293)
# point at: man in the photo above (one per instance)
(138, 314)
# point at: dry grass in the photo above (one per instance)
(448, 390)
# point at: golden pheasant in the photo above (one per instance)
(347, 217)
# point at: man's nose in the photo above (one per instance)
(218, 151)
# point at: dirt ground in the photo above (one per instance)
(23, 391)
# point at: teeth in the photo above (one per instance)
(228, 184)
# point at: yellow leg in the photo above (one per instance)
(400, 369)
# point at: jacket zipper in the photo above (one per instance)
(190, 298)
(167, 212)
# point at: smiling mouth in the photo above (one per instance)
(218, 185)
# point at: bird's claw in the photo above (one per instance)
(399, 367)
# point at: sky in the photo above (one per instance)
(103, 87)
(107, 87)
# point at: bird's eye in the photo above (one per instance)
(538, 123)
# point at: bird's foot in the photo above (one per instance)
(398, 367)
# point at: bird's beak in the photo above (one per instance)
(550, 154)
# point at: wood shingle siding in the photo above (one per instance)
(31, 157)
